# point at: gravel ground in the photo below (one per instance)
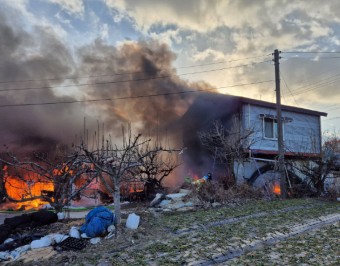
(306, 232)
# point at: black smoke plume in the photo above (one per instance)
(42, 60)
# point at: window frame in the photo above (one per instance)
(274, 122)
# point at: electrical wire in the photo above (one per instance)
(332, 118)
(312, 57)
(334, 109)
(130, 97)
(317, 82)
(221, 62)
(284, 80)
(314, 52)
(317, 85)
(130, 80)
(124, 73)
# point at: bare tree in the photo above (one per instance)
(316, 169)
(156, 162)
(120, 163)
(59, 173)
(227, 145)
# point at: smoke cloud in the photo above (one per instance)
(42, 60)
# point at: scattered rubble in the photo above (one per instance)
(176, 238)
(83, 235)
(173, 202)
(31, 220)
(159, 197)
(41, 243)
(98, 222)
(95, 240)
(74, 232)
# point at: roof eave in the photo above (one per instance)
(284, 107)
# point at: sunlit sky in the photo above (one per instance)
(232, 41)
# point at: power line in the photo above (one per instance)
(130, 97)
(123, 73)
(284, 80)
(332, 118)
(317, 85)
(331, 107)
(334, 109)
(221, 62)
(316, 82)
(309, 57)
(315, 52)
(70, 78)
(131, 80)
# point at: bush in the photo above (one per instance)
(301, 190)
(333, 194)
(210, 192)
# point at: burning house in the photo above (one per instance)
(256, 119)
(172, 112)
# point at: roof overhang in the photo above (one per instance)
(283, 107)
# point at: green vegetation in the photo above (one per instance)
(203, 243)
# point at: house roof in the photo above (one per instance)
(284, 107)
(220, 98)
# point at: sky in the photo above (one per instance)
(80, 50)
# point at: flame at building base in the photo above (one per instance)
(18, 189)
(277, 189)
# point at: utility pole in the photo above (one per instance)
(280, 144)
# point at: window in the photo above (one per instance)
(270, 128)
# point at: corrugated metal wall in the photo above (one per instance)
(301, 135)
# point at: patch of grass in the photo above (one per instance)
(176, 221)
(318, 247)
(202, 243)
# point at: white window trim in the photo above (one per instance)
(263, 129)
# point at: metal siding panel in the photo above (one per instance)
(300, 135)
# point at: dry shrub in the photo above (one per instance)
(244, 191)
(333, 194)
(210, 192)
(301, 190)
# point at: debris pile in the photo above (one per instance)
(12, 248)
(173, 202)
(98, 223)
(31, 220)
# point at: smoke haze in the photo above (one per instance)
(44, 61)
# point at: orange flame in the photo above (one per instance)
(277, 189)
(136, 187)
(195, 177)
(31, 185)
(19, 190)
(64, 170)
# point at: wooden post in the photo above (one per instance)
(280, 143)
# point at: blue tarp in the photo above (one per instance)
(97, 221)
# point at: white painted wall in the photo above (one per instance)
(301, 135)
